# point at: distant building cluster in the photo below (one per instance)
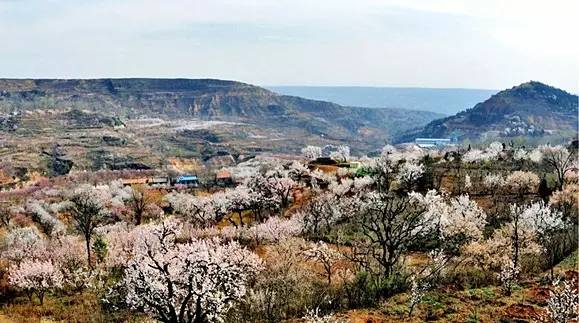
(223, 178)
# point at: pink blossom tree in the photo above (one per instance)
(120, 240)
(522, 183)
(67, 254)
(238, 200)
(35, 277)
(566, 201)
(276, 229)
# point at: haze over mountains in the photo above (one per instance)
(445, 101)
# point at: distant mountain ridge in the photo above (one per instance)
(440, 100)
(210, 99)
(530, 109)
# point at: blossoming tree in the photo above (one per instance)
(312, 152)
(193, 282)
(35, 278)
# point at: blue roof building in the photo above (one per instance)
(187, 180)
(432, 142)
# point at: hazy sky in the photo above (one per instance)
(475, 44)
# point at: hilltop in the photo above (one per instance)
(532, 109)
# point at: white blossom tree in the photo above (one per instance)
(474, 155)
(520, 154)
(341, 154)
(24, 244)
(417, 291)
(549, 229)
(282, 187)
(459, 217)
(326, 256)
(535, 155)
(51, 225)
(199, 208)
(509, 275)
(193, 282)
(463, 217)
(409, 173)
(492, 152)
(563, 302)
(534, 223)
(494, 149)
(493, 182)
(384, 167)
(467, 182)
(314, 316)
(312, 152)
(325, 209)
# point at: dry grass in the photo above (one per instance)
(62, 308)
(78, 308)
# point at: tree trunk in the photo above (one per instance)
(88, 254)
(199, 317)
(138, 217)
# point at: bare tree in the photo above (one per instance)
(391, 224)
(4, 215)
(560, 160)
(139, 202)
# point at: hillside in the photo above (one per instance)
(532, 109)
(111, 122)
(445, 101)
